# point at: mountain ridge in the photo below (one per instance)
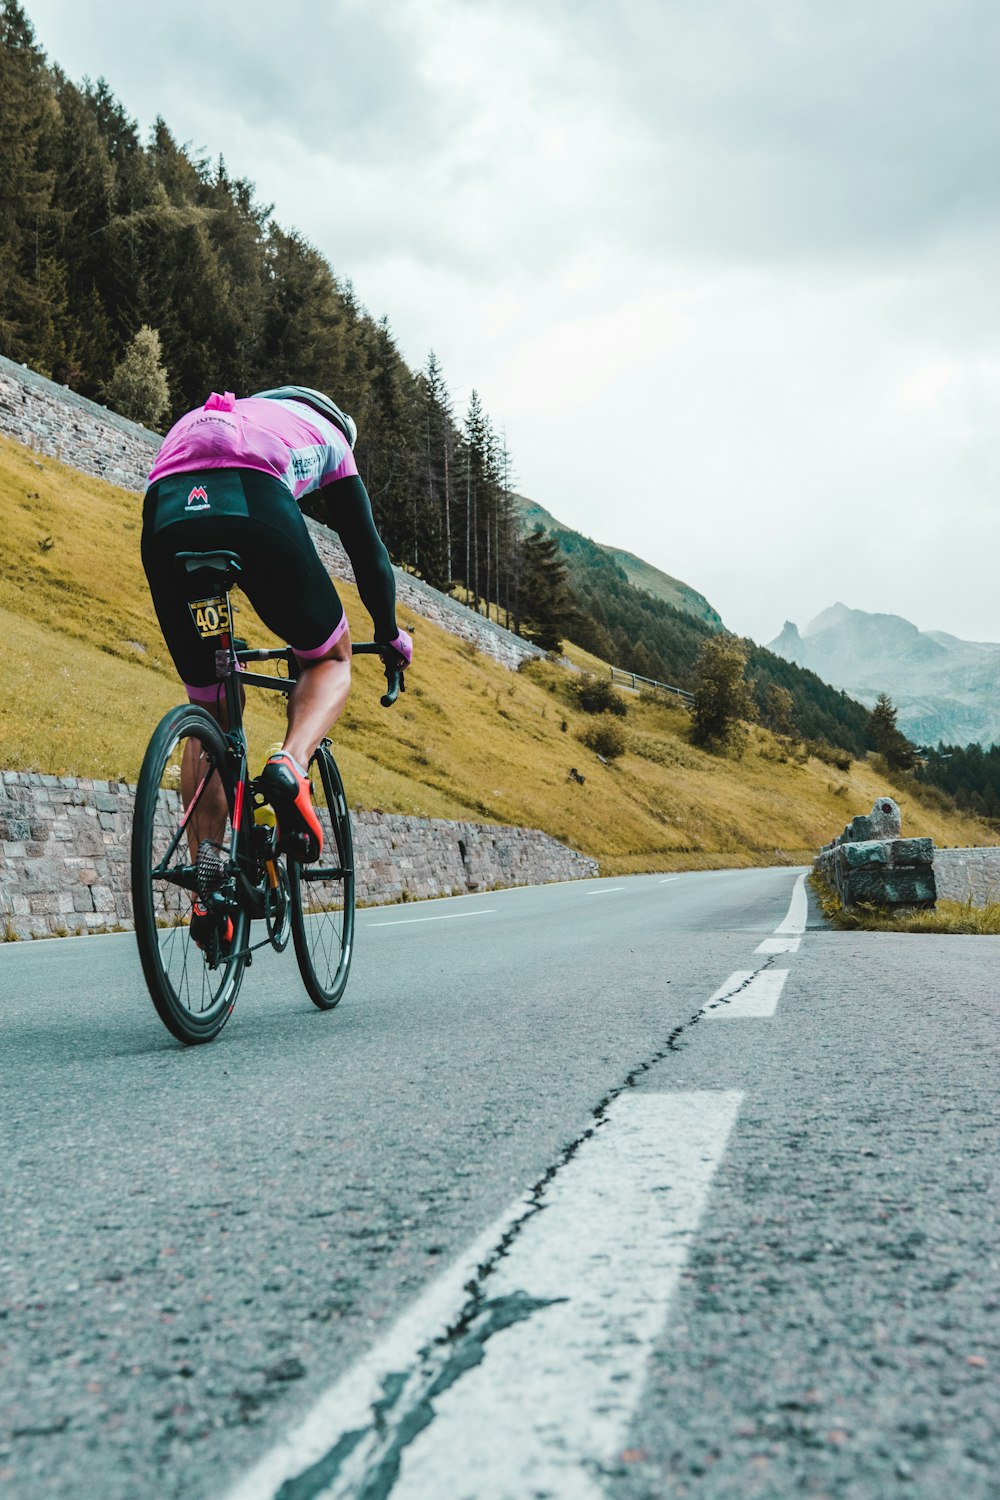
(944, 688)
(640, 573)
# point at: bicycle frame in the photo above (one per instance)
(230, 657)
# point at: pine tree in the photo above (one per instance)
(27, 119)
(546, 605)
(888, 739)
(439, 440)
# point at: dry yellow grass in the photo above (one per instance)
(87, 677)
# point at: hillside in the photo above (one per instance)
(86, 678)
(640, 574)
(944, 688)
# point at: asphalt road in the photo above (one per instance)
(588, 1196)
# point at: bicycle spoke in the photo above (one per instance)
(323, 894)
(192, 994)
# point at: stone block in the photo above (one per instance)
(912, 852)
(859, 856)
(39, 875)
(890, 888)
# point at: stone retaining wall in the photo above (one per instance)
(54, 420)
(968, 875)
(64, 855)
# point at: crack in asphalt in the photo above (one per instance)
(364, 1463)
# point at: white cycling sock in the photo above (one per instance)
(301, 769)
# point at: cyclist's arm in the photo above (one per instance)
(347, 508)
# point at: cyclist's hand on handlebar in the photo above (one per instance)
(399, 652)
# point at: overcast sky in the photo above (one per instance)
(725, 270)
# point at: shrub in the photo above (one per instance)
(605, 738)
(595, 695)
(722, 696)
(138, 386)
(830, 755)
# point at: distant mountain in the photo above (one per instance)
(642, 575)
(945, 689)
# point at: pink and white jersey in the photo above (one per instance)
(283, 438)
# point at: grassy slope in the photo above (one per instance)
(87, 677)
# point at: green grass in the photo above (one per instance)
(957, 917)
(87, 677)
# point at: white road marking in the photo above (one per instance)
(758, 995)
(551, 1400)
(452, 916)
(670, 880)
(605, 890)
(779, 945)
(798, 910)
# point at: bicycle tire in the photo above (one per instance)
(193, 993)
(322, 894)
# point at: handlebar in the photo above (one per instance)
(394, 680)
(395, 683)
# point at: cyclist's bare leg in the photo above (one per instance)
(208, 821)
(317, 699)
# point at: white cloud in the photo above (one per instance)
(726, 273)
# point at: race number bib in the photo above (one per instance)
(211, 616)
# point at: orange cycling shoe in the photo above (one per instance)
(283, 785)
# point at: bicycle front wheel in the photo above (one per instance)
(323, 893)
(193, 987)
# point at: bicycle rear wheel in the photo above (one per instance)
(323, 893)
(193, 990)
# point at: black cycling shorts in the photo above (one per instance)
(254, 514)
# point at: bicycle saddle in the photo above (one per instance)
(226, 564)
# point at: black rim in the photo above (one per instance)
(323, 893)
(193, 989)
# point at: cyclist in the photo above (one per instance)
(228, 476)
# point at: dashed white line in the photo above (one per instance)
(451, 916)
(754, 995)
(548, 1406)
(670, 880)
(606, 890)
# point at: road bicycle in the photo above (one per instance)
(195, 774)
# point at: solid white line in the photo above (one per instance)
(779, 945)
(451, 916)
(798, 909)
(551, 1400)
(757, 999)
(605, 890)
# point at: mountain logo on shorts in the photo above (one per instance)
(197, 500)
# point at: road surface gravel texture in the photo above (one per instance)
(625, 1188)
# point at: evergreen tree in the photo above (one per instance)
(439, 439)
(887, 738)
(27, 117)
(545, 599)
